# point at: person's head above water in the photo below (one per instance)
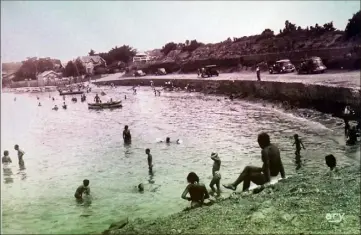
(263, 140)
(192, 178)
(147, 151)
(85, 182)
(126, 127)
(167, 140)
(6, 153)
(141, 188)
(16, 147)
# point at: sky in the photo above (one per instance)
(67, 29)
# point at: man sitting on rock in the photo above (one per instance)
(272, 165)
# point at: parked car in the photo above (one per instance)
(282, 66)
(209, 71)
(139, 73)
(161, 71)
(312, 65)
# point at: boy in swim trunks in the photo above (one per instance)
(82, 189)
(6, 158)
(215, 172)
(20, 154)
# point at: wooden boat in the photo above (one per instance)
(110, 105)
(71, 92)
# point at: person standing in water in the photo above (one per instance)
(126, 134)
(215, 173)
(6, 159)
(272, 166)
(150, 160)
(258, 71)
(125, 97)
(347, 126)
(82, 189)
(20, 155)
(298, 144)
(198, 192)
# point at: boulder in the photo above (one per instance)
(120, 224)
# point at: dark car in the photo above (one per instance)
(282, 66)
(312, 65)
(209, 71)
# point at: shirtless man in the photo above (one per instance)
(20, 154)
(272, 165)
(126, 134)
(82, 189)
(197, 191)
(150, 160)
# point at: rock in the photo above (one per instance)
(120, 224)
(257, 217)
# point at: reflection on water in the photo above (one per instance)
(8, 173)
(67, 146)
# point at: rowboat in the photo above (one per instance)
(110, 105)
(71, 92)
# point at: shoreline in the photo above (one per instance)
(302, 203)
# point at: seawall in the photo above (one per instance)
(327, 99)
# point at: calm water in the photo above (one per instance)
(63, 147)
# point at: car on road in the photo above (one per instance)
(139, 73)
(312, 65)
(161, 71)
(209, 71)
(282, 66)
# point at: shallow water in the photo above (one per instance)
(63, 147)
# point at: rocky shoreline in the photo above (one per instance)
(308, 202)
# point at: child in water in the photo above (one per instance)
(298, 144)
(6, 158)
(198, 192)
(150, 160)
(82, 189)
(215, 173)
(20, 154)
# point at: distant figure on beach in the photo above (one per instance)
(347, 126)
(158, 91)
(215, 173)
(150, 160)
(20, 155)
(155, 92)
(64, 105)
(167, 140)
(258, 71)
(125, 97)
(55, 108)
(330, 161)
(198, 192)
(63, 97)
(37, 98)
(15, 99)
(82, 189)
(53, 98)
(126, 134)
(298, 144)
(352, 136)
(97, 98)
(272, 166)
(39, 104)
(6, 159)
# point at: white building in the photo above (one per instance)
(90, 62)
(142, 57)
(48, 77)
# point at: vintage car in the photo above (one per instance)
(282, 66)
(139, 73)
(312, 65)
(161, 71)
(209, 71)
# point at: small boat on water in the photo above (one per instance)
(108, 105)
(71, 92)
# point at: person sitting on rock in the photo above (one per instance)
(272, 166)
(198, 192)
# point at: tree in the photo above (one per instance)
(70, 70)
(187, 42)
(268, 33)
(28, 70)
(170, 46)
(124, 53)
(192, 46)
(353, 27)
(92, 52)
(80, 68)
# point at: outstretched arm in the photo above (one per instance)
(184, 194)
(302, 144)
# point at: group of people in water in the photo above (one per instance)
(7, 160)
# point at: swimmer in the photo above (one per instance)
(125, 97)
(198, 192)
(141, 188)
(150, 160)
(126, 134)
(38, 97)
(20, 154)
(64, 105)
(298, 144)
(53, 98)
(82, 189)
(39, 104)
(167, 140)
(6, 158)
(215, 173)
(330, 161)
(272, 166)
(55, 107)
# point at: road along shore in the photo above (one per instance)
(328, 93)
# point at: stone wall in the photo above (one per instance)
(323, 98)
